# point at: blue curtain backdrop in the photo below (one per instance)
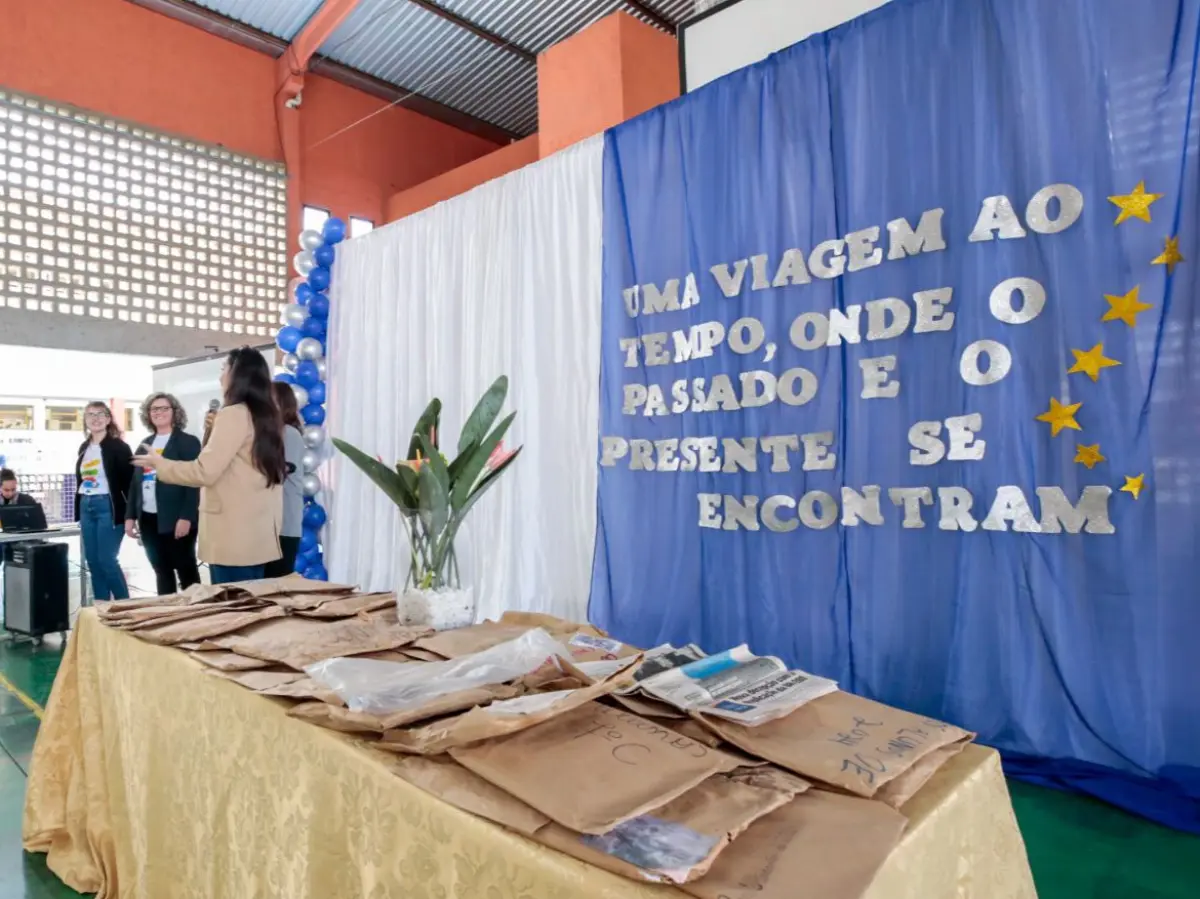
(1073, 653)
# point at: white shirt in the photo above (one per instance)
(94, 482)
(150, 477)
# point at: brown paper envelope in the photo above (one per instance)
(820, 845)
(649, 707)
(549, 623)
(224, 660)
(346, 606)
(421, 655)
(256, 680)
(338, 718)
(151, 618)
(484, 724)
(305, 689)
(679, 841)
(595, 766)
(441, 776)
(844, 740)
(898, 791)
(463, 641)
(328, 639)
(290, 585)
(399, 656)
(206, 627)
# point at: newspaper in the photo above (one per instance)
(736, 684)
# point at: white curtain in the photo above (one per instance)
(502, 280)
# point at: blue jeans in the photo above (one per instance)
(102, 538)
(228, 574)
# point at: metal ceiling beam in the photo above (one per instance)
(653, 15)
(246, 36)
(478, 30)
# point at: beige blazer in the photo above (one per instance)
(240, 516)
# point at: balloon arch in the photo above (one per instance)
(302, 339)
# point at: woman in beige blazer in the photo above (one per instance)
(240, 472)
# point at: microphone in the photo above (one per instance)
(213, 407)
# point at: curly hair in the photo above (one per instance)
(178, 415)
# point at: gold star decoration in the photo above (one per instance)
(1088, 455)
(1135, 205)
(1134, 485)
(1091, 362)
(1059, 416)
(1125, 308)
(1170, 256)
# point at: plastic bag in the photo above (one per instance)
(369, 685)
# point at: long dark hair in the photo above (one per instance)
(285, 399)
(250, 385)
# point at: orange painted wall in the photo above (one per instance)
(579, 85)
(649, 67)
(462, 179)
(113, 57)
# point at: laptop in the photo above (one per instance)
(22, 519)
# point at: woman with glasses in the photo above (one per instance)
(166, 514)
(241, 470)
(103, 472)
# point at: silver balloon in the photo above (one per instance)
(321, 367)
(309, 348)
(304, 263)
(310, 461)
(301, 395)
(314, 436)
(295, 315)
(310, 240)
(310, 484)
(290, 361)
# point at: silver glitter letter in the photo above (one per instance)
(875, 378)
(1070, 207)
(864, 506)
(926, 239)
(770, 514)
(955, 503)
(818, 510)
(997, 215)
(862, 250)
(999, 363)
(912, 498)
(1011, 505)
(1090, 515)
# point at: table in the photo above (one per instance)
(151, 778)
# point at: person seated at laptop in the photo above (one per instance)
(10, 494)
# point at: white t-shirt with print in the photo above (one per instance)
(150, 477)
(94, 482)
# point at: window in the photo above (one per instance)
(104, 219)
(16, 418)
(359, 227)
(313, 218)
(64, 418)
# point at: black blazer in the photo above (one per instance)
(175, 503)
(117, 459)
(21, 499)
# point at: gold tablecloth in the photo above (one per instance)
(151, 779)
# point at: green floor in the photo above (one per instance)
(1079, 848)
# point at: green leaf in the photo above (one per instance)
(461, 513)
(484, 413)
(383, 477)
(476, 462)
(408, 478)
(434, 460)
(428, 422)
(435, 505)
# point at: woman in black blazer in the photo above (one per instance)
(103, 472)
(165, 514)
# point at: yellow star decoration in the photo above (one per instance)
(1091, 362)
(1135, 205)
(1134, 485)
(1170, 256)
(1060, 416)
(1125, 308)
(1088, 455)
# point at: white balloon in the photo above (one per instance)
(310, 484)
(295, 315)
(301, 395)
(290, 361)
(309, 348)
(310, 240)
(304, 263)
(310, 461)
(314, 436)
(321, 368)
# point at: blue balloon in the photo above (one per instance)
(307, 374)
(334, 231)
(304, 293)
(316, 393)
(287, 338)
(286, 377)
(313, 414)
(324, 255)
(318, 278)
(318, 307)
(316, 573)
(308, 540)
(314, 516)
(300, 565)
(314, 327)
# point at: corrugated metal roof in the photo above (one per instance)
(282, 18)
(414, 49)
